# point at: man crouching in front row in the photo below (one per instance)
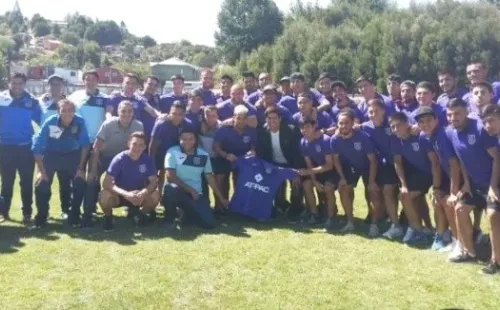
(130, 181)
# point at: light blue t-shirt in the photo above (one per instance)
(189, 168)
(92, 108)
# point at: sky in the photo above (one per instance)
(164, 20)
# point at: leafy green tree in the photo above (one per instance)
(104, 33)
(56, 30)
(244, 25)
(41, 28)
(70, 37)
(148, 41)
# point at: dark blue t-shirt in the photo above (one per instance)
(236, 143)
(167, 100)
(441, 144)
(353, 151)
(471, 146)
(415, 150)
(256, 186)
(381, 138)
(316, 150)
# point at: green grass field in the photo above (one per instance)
(240, 265)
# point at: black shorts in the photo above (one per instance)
(386, 174)
(479, 200)
(445, 184)
(124, 203)
(352, 175)
(417, 180)
(330, 177)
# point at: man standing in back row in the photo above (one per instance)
(17, 110)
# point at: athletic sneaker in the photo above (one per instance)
(463, 257)
(457, 250)
(491, 268)
(393, 232)
(329, 223)
(74, 221)
(314, 219)
(438, 243)
(349, 227)
(140, 219)
(447, 236)
(86, 222)
(417, 237)
(373, 231)
(427, 231)
(479, 237)
(27, 220)
(409, 234)
(108, 223)
(64, 216)
(449, 247)
(170, 226)
(40, 224)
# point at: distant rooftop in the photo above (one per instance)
(174, 61)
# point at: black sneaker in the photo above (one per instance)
(86, 222)
(4, 217)
(152, 216)
(491, 268)
(314, 219)
(108, 223)
(170, 226)
(27, 220)
(74, 221)
(140, 219)
(40, 224)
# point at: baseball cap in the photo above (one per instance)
(423, 111)
(55, 76)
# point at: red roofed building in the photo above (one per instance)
(108, 75)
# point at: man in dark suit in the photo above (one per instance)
(279, 143)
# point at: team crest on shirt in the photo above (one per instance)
(74, 130)
(471, 139)
(196, 160)
(269, 170)
(135, 105)
(142, 168)
(200, 118)
(246, 139)
(156, 100)
(388, 131)
(28, 103)
(415, 146)
(357, 146)
(258, 177)
(98, 101)
(318, 148)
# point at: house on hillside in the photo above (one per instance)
(165, 69)
(51, 45)
(109, 75)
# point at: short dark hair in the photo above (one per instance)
(133, 76)
(196, 93)
(138, 135)
(248, 74)
(188, 130)
(485, 85)
(19, 75)
(177, 77)
(91, 72)
(399, 116)
(410, 83)
(377, 102)
(448, 71)
(298, 76)
(427, 85)
(227, 77)
(395, 78)
(306, 121)
(491, 110)
(364, 78)
(340, 84)
(477, 62)
(179, 105)
(272, 110)
(324, 75)
(154, 78)
(304, 95)
(210, 108)
(347, 112)
(456, 103)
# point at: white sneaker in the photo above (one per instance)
(373, 232)
(457, 250)
(349, 227)
(450, 247)
(409, 234)
(393, 232)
